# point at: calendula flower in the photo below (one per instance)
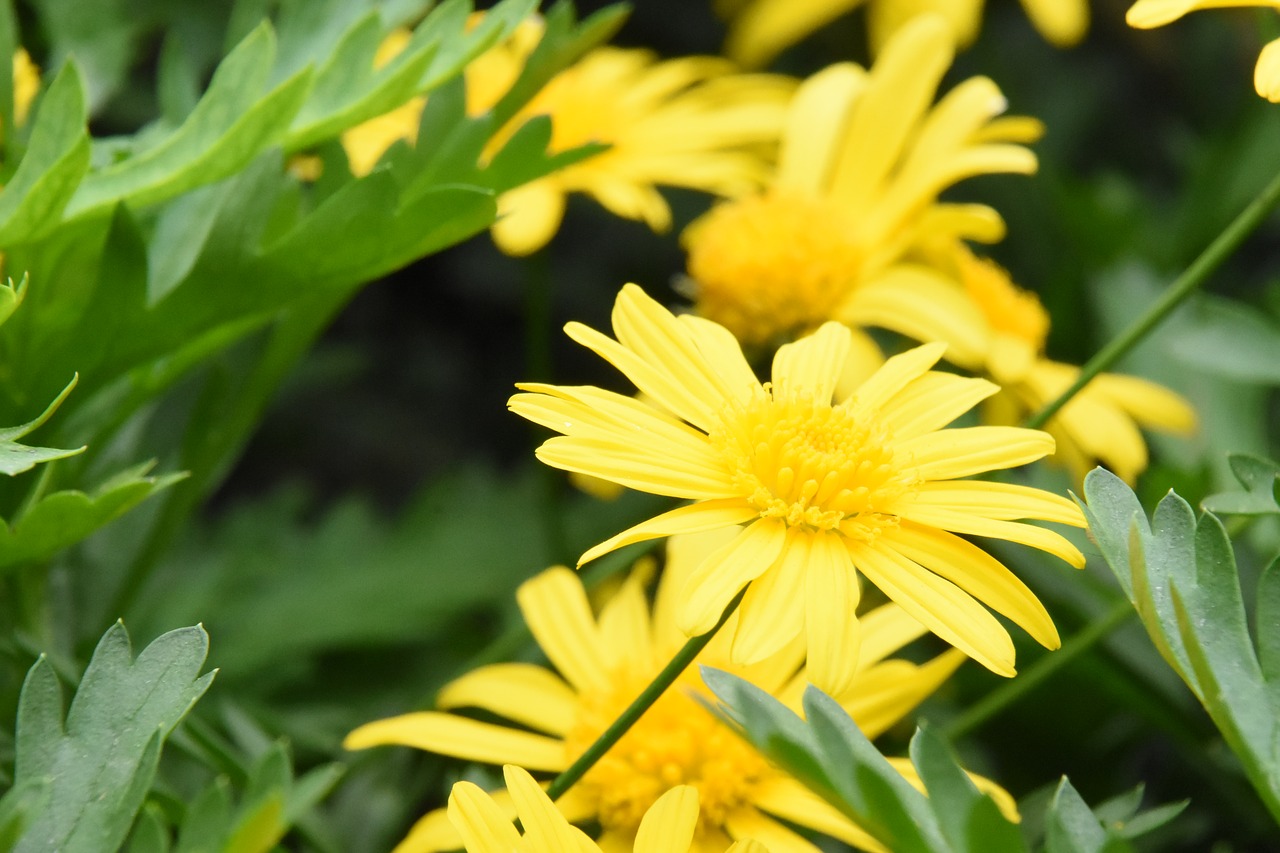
(687, 122)
(603, 664)
(761, 29)
(820, 490)
(864, 157)
(1146, 14)
(485, 827)
(992, 326)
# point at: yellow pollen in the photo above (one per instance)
(812, 464)
(1007, 307)
(772, 266)
(676, 742)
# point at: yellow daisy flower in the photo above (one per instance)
(759, 30)
(486, 827)
(1146, 14)
(992, 326)
(685, 123)
(864, 157)
(604, 663)
(820, 490)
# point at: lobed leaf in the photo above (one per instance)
(99, 763)
(1259, 477)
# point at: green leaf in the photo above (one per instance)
(230, 126)
(11, 294)
(101, 762)
(149, 834)
(60, 519)
(1230, 340)
(970, 820)
(16, 458)
(1268, 625)
(56, 160)
(100, 34)
(1070, 827)
(1258, 476)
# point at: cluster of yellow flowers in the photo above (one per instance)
(842, 467)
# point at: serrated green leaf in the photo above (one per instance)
(1258, 476)
(56, 160)
(101, 762)
(1110, 507)
(61, 519)
(1069, 825)
(230, 126)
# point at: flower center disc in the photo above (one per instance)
(811, 464)
(771, 266)
(676, 742)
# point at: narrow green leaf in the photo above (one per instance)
(206, 819)
(102, 762)
(149, 833)
(17, 807)
(61, 519)
(14, 433)
(1110, 507)
(956, 801)
(1069, 825)
(56, 160)
(10, 294)
(1150, 820)
(1229, 339)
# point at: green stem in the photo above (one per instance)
(1049, 665)
(1195, 275)
(636, 709)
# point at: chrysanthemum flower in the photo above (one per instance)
(486, 827)
(820, 490)
(687, 122)
(864, 157)
(993, 327)
(1146, 14)
(761, 29)
(603, 665)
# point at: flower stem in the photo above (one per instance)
(639, 705)
(1195, 275)
(1047, 666)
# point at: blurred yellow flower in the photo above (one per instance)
(485, 827)
(26, 85)
(761, 29)
(1146, 14)
(604, 662)
(818, 489)
(864, 158)
(687, 122)
(993, 327)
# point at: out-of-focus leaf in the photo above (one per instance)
(1181, 576)
(270, 805)
(100, 762)
(1268, 617)
(1258, 476)
(56, 160)
(1070, 827)
(149, 835)
(1231, 340)
(100, 34)
(60, 519)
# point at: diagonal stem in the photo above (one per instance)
(1195, 275)
(639, 705)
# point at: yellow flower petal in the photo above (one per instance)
(1005, 501)
(1013, 531)
(896, 373)
(522, 692)
(714, 583)
(888, 692)
(793, 802)
(1062, 22)
(482, 825)
(462, 738)
(813, 364)
(748, 822)
(632, 465)
(933, 401)
(669, 824)
(696, 518)
(1266, 74)
(885, 630)
(554, 605)
(528, 217)
(940, 605)
(977, 573)
(624, 624)
(923, 304)
(545, 829)
(772, 612)
(949, 454)
(768, 27)
(815, 126)
(831, 598)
